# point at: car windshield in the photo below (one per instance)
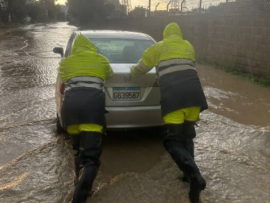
(122, 50)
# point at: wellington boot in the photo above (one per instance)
(77, 168)
(174, 143)
(87, 164)
(84, 184)
(189, 134)
(197, 184)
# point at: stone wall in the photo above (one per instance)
(240, 42)
(234, 41)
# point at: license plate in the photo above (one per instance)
(126, 93)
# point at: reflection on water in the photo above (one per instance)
(235, 98)
(36, 165)
(14, 183)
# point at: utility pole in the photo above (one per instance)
(149, 12)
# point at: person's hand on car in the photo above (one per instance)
(130, 73)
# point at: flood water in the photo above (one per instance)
(232, 148)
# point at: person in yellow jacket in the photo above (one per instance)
(83, 112)
(182, 99)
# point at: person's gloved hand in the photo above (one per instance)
(130, 73)
(134, 72)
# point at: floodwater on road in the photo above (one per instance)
(232, 147)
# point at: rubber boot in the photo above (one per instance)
(89, 154)
(174, 144)
(189, 146)
(189, 133)
(77, 167)
(76, 145)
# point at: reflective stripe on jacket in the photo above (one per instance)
(84, 61)
(173, 65)
(174, 59)
(92, 82)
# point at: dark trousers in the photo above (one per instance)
(178, 142)
(89, 148)
(182, 135)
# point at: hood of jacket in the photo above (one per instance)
(172, 30)
(82, 43)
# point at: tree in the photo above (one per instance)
(87, 11)
(36, 12)
(113, 9)
(138, 11)
(19, 10)
(14, 10)
(109, 10)
(51, 10)
(3, 12)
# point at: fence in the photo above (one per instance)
(227, 38)
(219, 7)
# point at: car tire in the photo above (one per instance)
(59, 128)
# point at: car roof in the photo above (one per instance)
(114, 34)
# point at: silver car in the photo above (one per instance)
(131, 102)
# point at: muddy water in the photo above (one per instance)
(235, 97)
(36, 165)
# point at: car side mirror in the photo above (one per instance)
(58, 50)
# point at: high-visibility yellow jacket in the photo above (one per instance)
(84, 61)
(172, 47)
(174, 59)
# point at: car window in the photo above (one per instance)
(122, 50)
(69, 45)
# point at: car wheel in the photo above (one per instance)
(59, 128)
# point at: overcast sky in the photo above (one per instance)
(134, 3)
(163, 3)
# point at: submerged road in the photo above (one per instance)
(232, 147)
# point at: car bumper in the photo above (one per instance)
(133, 117)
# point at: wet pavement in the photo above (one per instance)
(36, 165)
